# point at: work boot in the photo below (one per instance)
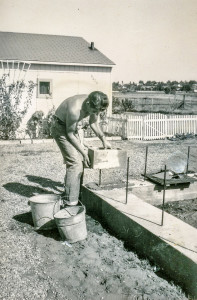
(68, 203)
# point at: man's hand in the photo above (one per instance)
(106, 145)
(86, 161)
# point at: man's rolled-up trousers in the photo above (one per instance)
(72, 158)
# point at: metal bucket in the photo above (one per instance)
(71, 223)
(43, 208)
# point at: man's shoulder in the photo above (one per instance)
(77, 97)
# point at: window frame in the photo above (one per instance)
(38, 88)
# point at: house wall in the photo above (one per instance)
(70, 80)
(66, 81)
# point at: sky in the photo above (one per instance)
(146, 39)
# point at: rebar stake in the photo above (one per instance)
(188, 152)
(164, 193)
(146, 162)
(127, 182)
(99, 177)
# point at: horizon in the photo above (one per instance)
(146, 39)
(145, 81)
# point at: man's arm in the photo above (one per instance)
(96, 128)
(70, 130)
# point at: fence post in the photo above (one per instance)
(166, 126)
(143, 128)
(126, 125)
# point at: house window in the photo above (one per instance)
(44, 88)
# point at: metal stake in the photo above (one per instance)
(164, 193)
(188, 152)
(127, 182)
(146, 162)
(99, 176)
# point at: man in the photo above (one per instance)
(68, 114)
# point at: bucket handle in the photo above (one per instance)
(81, 203)
(55, 206)
(53, 213)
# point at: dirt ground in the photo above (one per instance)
(186, 210)
(37, 265)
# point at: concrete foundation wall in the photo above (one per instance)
(179, 267)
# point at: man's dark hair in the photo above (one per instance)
(98, 100)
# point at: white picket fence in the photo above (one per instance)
(151, 126)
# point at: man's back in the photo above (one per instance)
(70, 106)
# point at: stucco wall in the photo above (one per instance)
(66, 81)
(69, 83)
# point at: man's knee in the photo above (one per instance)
(75, 165)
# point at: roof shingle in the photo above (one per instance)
(49, 48)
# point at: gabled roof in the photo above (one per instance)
(49, 49)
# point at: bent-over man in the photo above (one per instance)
(68, 114)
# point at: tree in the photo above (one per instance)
(160, 86)
(186, 87)
(115, 86)
(191, 82)
(174, 82)
(167, 90)
(141, 82)
(15, 99)
(148, 83)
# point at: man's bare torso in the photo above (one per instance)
(71, 108)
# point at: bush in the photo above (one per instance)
(13, 105)
(47, 122)
(35, 125)
(38, 126)
(123, 105)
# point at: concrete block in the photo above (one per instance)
(153, 193)
(107, 158)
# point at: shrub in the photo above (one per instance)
(47, 122)
(13, 105)
(35, 125)
(38, 126)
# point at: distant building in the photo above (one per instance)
(194, 87)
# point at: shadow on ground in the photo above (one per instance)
(30, 190)
(24, 190)
(26, 218)
(45, 182)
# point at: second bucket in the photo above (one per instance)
(71, 223)
(43, 208)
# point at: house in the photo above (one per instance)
(62, 66)
(194, 87)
